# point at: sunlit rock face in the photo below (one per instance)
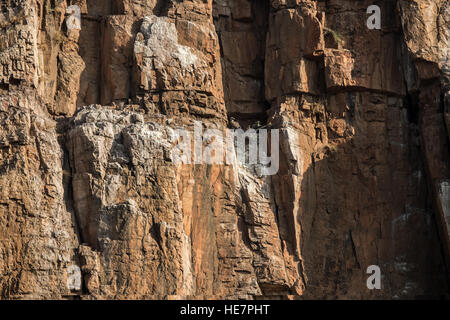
(93, 205)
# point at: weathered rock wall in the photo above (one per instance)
(88, 119)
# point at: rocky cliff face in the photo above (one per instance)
(87, 124)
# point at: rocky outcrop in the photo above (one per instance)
(90, 116)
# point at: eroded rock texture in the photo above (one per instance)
(87, 125)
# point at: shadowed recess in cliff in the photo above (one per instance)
(242, 29)
(333, 212)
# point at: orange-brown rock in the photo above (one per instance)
(89, 188)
